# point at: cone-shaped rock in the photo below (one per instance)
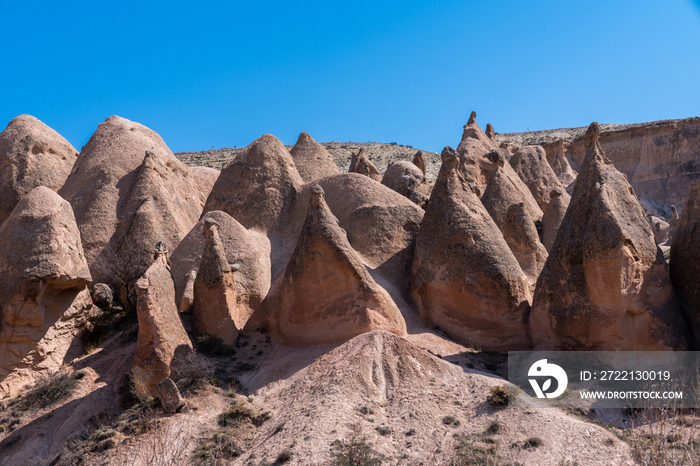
(248, 250)
(530, 163)
(162, 338)
(465, 279)
(128, 191)
(326, 294)
(560, 164)
(312, 160)
(490, 132)
(605, 285)
(420, 162)
(552, 218)
(31, 155)
(363, 165)
(505, 189)
(259, 186)
(204, 179)
(405, 178)
(43, 289)
(472, 150)
(521, 235)
(215, 309)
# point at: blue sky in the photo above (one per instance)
(223, 73)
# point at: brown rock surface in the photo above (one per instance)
(504, 189)
(521, 236)
(312, 160)
(530, 163)
(169, 395)
(161, 335)
(472, 150)
(31, 155)
(215, 308)
(325, 294)
(363, 165)
(204, 179)
(43, 289)
(660, 228)
(405, 178)
(552, 218)
(420, 162)
(605, 285)
(465, 279)
(490, 132)
(556, 156)
(128, 192)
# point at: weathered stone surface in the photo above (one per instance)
(420, 162)
(605, 285)
(472, 150)
(672, 222)
(326, 295)
(465, 279)
(204, 179)
(490, 132)
(660, 228)
(530, 163)
(215, 309)
(258, 187)
(556, 156)
(102, 295)
(505, 189)
(170, 398)
(521, 236)
(248, 249)
(31, 155)
(405, 178)
(128, 192)
(312, 160)
(552, 218)
(363, 165)
(43, 289)
(161, 336)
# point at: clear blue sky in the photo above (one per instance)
(221, 74)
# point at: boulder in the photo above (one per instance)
(128, 191)
(170, 398)
(31, 155)
(361, 164)
(552, 218)
(162, 337)
(530, 163)
(406, 178)
(504, 189)
(472, 150)
(102, 295)
(605, 285)
(215, 310)
(312, 160)
(520, 234)
(43, 289)
(326, 295)
(464, 278)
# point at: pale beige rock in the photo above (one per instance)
(312, 160)
(672, 223)
(170, 398)
(204, 179)
(530, 163)
(128, 192)
(520, 234)
(161, 338)
(605, 285)
(215, 309)
(420, 162)
(405, 178)
(490, 132)
(552, 218)
(465, 279)
(660, 228)
(43, 289)
(504, 189)
(472, 150)
(361, 164)
(556, 156)
(31, 155)
(326, 295)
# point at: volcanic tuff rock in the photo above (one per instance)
(215, 310)
(312, 160)
(552, 218)
(169, 396)
(472, 150)
(530, 163)
(490, 132)
(325, 294)
(364, 166)
(556, 156)
(605, 285)
(465, 279)
(161, 337)
(246, 248)
(521, 236)
(43, 289)
(128, 192)
(204, 179)
(31, 155)
(660, 228)
(406, 178)
(420, 162)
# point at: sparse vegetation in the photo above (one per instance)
(494, 427)
(383, 430)
(355, 451)
(235, 414)
(499, 395)
(49, 390)
(468, 452)
(284, 456)
(192, 371)
(533, 442)
(210, 345)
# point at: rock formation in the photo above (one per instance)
(505, 189)
(465, 279)
(660, 228)
(521, 236)
(406, 178)
(312, 160)
(31, 155)
(560, 164)
(161, 338)
(672, 222)
(128, 192)
(258, 187)
(363, 165)
(472, 150)
(215, 308)
(490, 132)
(204, 179)
(326, 294)
(552, 218)
(420, 162)
(43, 289)
(605, 285)
(530, 163)
(169, 395)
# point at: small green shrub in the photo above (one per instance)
(495, 427)
(383, 430)
(237, 413)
